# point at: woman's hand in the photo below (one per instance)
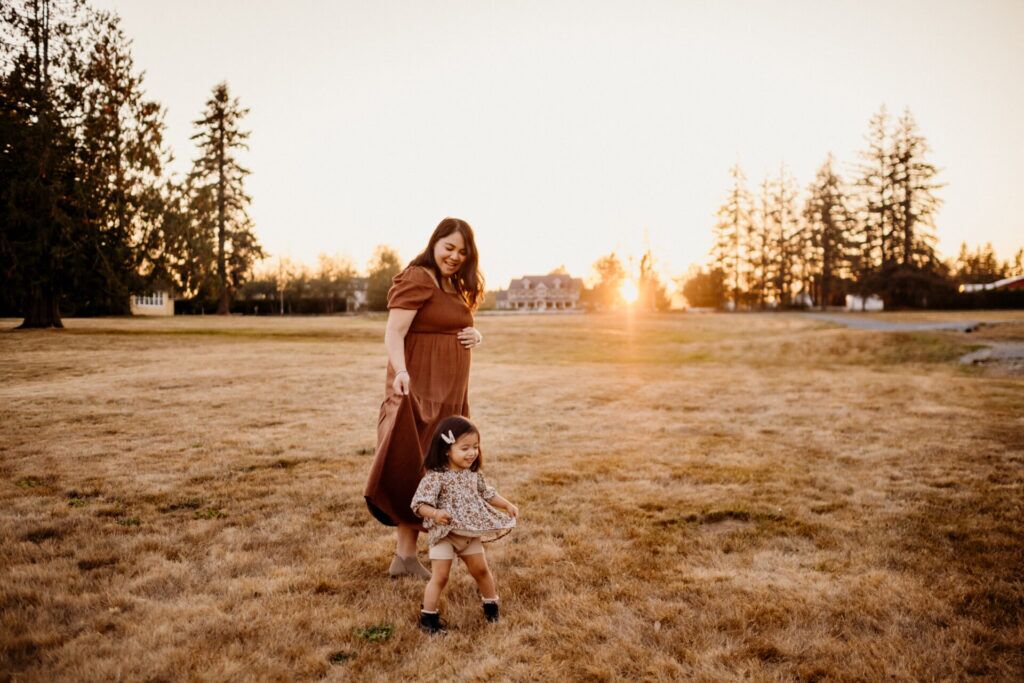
(401, 383)
(442, 517)
(470, 337)
(512, 510)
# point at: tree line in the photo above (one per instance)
(294, 287)
(88, 211)
(869, 232)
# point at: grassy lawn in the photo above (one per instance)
(703, 497)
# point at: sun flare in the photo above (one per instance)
(629, 292)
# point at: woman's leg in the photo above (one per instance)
(407, 536)
(439, 570)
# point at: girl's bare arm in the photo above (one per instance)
(504, 504)
(429, 511)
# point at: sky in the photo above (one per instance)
(563, 131)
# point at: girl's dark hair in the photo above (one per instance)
(469, 281)
(437, 452)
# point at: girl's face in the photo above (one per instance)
(450, 253)
(463, 453)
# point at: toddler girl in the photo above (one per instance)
(452, 499)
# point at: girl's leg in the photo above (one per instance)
(481, 573)
(439, 570)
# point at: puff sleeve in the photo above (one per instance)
(486, 491)
(410, 289)
(427, 492)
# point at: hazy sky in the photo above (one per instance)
(564, 130)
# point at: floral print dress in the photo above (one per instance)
(464, 495)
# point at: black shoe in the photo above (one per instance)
(431, 623)
(491, 611)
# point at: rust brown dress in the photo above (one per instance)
(438, 368)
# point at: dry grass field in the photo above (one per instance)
(703, 497)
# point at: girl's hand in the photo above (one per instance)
(470, 337)
(512, 510)
(442, 517)
(401, 383)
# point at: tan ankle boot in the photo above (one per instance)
(407, 566)
(397, 567)
(414, 568)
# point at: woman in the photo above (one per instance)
(428, 337)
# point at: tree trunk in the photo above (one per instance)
(41, 309)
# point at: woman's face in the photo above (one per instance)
(450, 253)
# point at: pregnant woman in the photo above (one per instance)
(428, 340)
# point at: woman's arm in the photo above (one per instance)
(399, 321)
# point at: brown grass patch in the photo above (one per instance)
(703, 497)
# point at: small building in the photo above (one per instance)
(859, 303)
(1008, 283)
(355, 299)
(548, 293)
(157, 302)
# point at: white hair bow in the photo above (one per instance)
(448, 438)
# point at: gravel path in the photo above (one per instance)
(860, 323)
(1007, 355)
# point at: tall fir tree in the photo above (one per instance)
(830, 222)
(784, 238)
(122, 160)
(915, 203)
(218, 193)
(43, 217)
(758, 247)
(875, 206)
(732, 232)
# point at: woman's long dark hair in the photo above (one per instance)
(437, 452)
(468, 281)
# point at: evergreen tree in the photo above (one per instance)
(875, 206)
(1016, 267)
(122, 158)
(914, 201)
(980, 266)
(829, 224)
(784, 238)
(41, 211)
(732, 233)
(80, 155)
(218, 194)
(758, 247)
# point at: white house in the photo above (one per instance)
(158, 302)
(859, 303)
(548, 293)
(355, 300)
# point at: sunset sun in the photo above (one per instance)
(629, 292)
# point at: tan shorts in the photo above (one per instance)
(454, 545)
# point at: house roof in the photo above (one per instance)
(549, 281)
(1009, 282)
